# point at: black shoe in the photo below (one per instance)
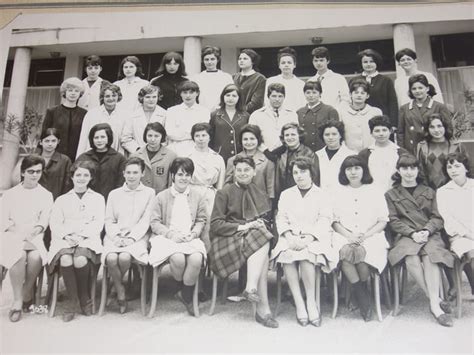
(444, 319)
(68, 316)
(446, 307)
(87, 308)
(189, 306)
(14, 315)
(26, 306)
(251, 296)
(203, 297)
(267, 320)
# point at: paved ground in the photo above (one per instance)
(232, 329)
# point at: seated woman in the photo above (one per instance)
(209, 170)
(127, 221)
(456, 206)
(292, 136)
(240, 234)
(25, 213)
(360, 216)
(414, 217)
(157, 158)
(178, 217)
(77, 219)
(304, 225)
(264, 179)
(106, 159)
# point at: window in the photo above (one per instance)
(43, 72)
(453, 50)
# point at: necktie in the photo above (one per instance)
(276, 113)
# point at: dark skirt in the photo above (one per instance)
(74, 251)
(228, 254)
(435, 248)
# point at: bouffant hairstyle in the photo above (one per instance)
(351, 161)
(135, 61)
(380, 120)
(254, 56)
(339, 125)
(420, 78)
(460, 157)
(247, 160)
(207, 50)
(184, 164)
(108, 131)
(254, 129)
(321, 52)
(147, 90)
(29, 161)
(313, 85)
(405, 51)
(201, 126)
(50, 132)
(299, 129)
(448, 127)
(167, 58)
(157, 127)
(71, 83)
(188, 86)
(135, 161)
(304, 163)
(229, 88)
(376, 57)
(356, 83)
(280, 88)
(112, 87)
(287, 52)
(406, 161)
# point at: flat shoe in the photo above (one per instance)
(189, 306)
(302, 321)
(14, 315)
(68, 316)
(446, 307)
(267, 320)
(444, 319)
(316, 322)
(251, 296)
(87, 308)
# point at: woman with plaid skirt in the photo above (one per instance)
(239, 234)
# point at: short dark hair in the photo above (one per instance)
(157, 127)
(185, 164)
(254, 129)
(287, 52)
(147, 90)
(339, 125)
(356, 83)
(211, 50)
(99, 127)
(112, 87)
(188, 86)
(405, 51)
(321, 52)
(167, 58)
(377, 58)
(349, 162)
(299, 129)
(29, 161)
(313, 85)
(462, 158)
(201, 126)
(404, 161)
(92, 60)
(247, 160)
(84, 164)
(135, 161)
(303, 163)
(51, 131)
(448, 127)
(420, 78)
(280, 88)
(229, 88)
(379, 120)
(135, 61)
(254, 56)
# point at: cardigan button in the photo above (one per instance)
(231, 131)
(231, 141)
(412, 128)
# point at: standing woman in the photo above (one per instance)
(414, 115)
(250, 82)
(212, 80)
(130, 82)
(360, 216)
(77, 219)
(304, 225)
(333, 154)
(150, 111)
(178, 217)
(171, 74)
(432, 151)
(227, 122)
(406, 58)
(264, 179)
(109, 112)
(382, 90)
(294, 93)
(240, 234)
(127, 221)
(25, 214)
(56, 174)
(67, 117)
(292, 136)
(108, 161)
(415, 220)
(157, 158)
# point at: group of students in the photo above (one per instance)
(264, 179)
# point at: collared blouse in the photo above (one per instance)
(329, 168)
(90, 98)
(130, 91)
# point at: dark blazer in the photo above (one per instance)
(252, 89)
(168, 85)
(56, 176)
(225, 133)
(109, 174)
(312, 119)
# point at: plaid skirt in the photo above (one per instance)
(228, 254)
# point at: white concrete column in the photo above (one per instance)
(403, 37)
(16, 107)
(192, 55)
(5, 35)
(229, 60)
(423, 53)
(73, 66)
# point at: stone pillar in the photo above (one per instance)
(73, 66)
(5, 35)
(16, 107)
(403, 37)
(192, 55)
